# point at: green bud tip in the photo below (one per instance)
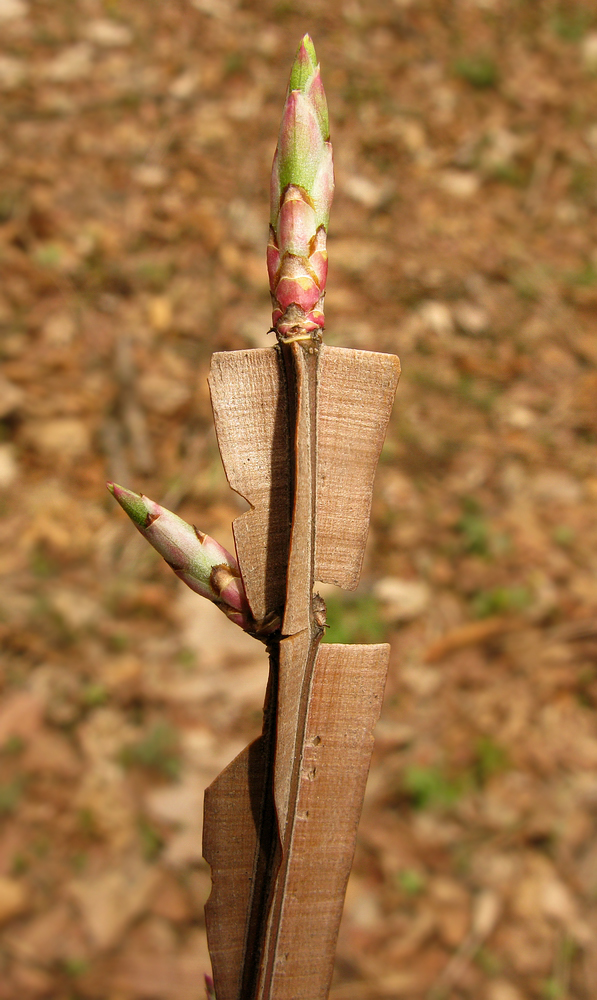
(304, 66)
(132, 503)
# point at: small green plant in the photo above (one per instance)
(20, 864)
(479, 70)
(41, 563)
(430, 787)
(152, 841)
(570, 25)
(10, 796)
(8, 203)
(469, 390)
(79, 861)
(94, 695)
(473, 528)
(186, 658)
(157, 751)
(75, 967)
(41, 846)
(585, 277)
(87, 823)
(552, 989)
(510, 173)
(582, 182)
(564, 535)
(490, 759)
(13, 746)
(49, 255)
(155, 275)
(357, 91)
(529, 282)
(118, 642)
(488, 961)
(235, 62)
(354, 620)
(500, 600)
(411, 881)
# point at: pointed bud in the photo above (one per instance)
(302, 187)
(200, 562)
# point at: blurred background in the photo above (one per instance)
(135, 148)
